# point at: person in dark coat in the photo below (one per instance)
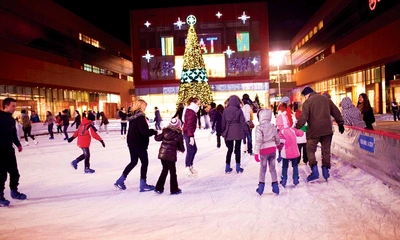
(138, 143)
(179, 112)
(366, 110)
(219, 110)
(65, 119)
(77, 120)
(104, 121)
(189, 128)
(8, 160)
(234, 130)
(316, 112)
(171, 141)
(157, 118)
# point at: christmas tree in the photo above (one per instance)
(194, 80)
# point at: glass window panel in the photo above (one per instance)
(243, 41)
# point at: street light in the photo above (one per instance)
(276, 59)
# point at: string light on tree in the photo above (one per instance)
(194, 79)
(244, 17)
(179, 23)
(147, 24)
(148, 56)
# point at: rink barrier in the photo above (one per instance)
(114, 125)
(374, 151)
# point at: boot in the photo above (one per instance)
(17, 195)
(120, 183)
(193, 170)
(3, 202)
(260, 188)
(314, 174)
(89, 171)
(238, 168)
(275, 188)
(26, 143)
(74, 164)
(283, 181)
(144, 187)
(325, 172)
(228, 168)
(35, 142)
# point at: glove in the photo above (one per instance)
(280, 146)
(256, 158)
(20, 149)
(341, 129)
(102, 143)
(191, 142)
(71, 139)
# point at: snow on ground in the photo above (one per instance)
(64, 203)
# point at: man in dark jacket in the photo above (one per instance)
(317, 111)
(8, 161)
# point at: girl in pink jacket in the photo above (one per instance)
(290, 151)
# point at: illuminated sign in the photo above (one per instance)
(373, 3)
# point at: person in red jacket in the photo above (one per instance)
(85, 132)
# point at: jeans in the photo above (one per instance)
(85, 156)
(50, 129)
(268, 160)
(123, 128)
(190, 151)
(65, 131)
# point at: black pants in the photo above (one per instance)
(65, 129)
(136, 154)
(86, 156)
(168, 166)
(50, 129)
(300, 147)
(27, 133)
(8, 164)
(123, 128)
(229, 144)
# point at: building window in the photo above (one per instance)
(167, 46)
(87, 67)
(96, 69)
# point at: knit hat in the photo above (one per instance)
(285, 100)
(175, 123)
(326, 94)
(307, 90)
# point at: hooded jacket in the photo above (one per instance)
(171, 141)
(190, 119)
(233, 124)
(351, 114)
(85, 132)
(266, 134)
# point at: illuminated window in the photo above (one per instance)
(102, 71)
(167, 46)
(320, 25)
(86, 39)
(306, 38)
(87, 67)
(96, 69)
(243, 41)
(95, 43)
(315, 30)
(311, 34)
(130, 79)
(333, 49)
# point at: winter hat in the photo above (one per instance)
(307, 90)
(175, 123)
(285, 100)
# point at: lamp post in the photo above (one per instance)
(276, 59)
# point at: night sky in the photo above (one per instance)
(286, 17)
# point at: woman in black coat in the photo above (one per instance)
(217, 123)
(366, 110)
(138, 142)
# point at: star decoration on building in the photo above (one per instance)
(148, 56)
(254, 62)
(244, 17)
(179, 23)
(147, 24)
(229, 52)
(218, 14)
(191, 20)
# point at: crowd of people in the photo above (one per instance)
(289, 133)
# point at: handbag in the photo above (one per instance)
(250, 123)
